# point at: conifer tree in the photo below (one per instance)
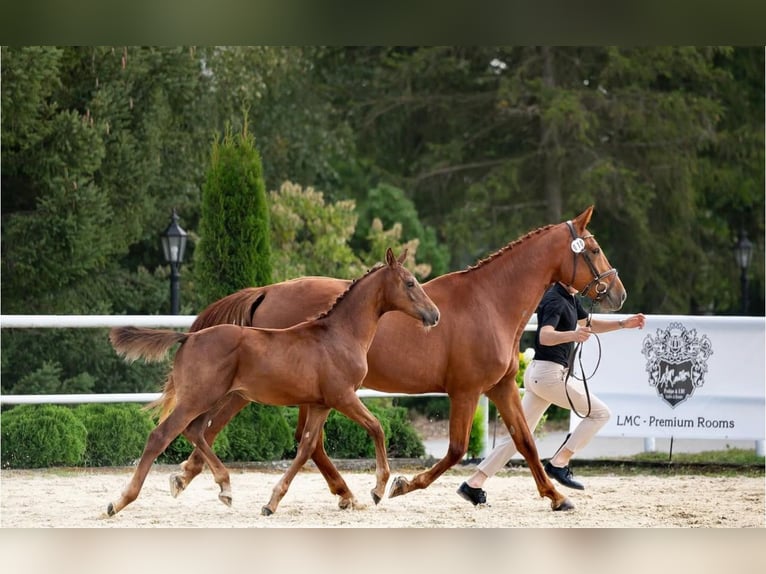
(234, 249)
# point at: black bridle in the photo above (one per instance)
(578, 247)
(602, 289)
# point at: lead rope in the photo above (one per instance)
(577, 350)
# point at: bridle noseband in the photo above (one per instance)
(578, 247)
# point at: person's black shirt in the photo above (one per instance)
(562, 311)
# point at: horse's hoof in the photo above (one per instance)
(110, 511)
(226, 499)
(266, 511)
(346, 503)
(564, 505)
(375, 497)
(176, 485)
(398, 487)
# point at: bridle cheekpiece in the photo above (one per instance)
(578, 248)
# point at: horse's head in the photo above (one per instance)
(405, 294)
(590, 271)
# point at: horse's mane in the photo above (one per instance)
(349, 288)
(505, 248)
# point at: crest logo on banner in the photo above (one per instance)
(676, 360)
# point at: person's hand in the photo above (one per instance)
(581, 334)
(634, 321)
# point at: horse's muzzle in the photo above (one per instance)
(430, 318)
(613, 300)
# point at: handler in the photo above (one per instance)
(561, 322)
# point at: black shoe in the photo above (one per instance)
(562, 475)
(476, 496)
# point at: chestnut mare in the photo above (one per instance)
(318, 364)
(475, 349)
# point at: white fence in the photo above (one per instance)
(153, 321)
(721, 396)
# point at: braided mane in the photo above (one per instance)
(502, 250)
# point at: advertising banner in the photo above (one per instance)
(680, 376)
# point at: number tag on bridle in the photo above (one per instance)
(578, 245)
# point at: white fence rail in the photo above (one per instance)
(727, 404)
(153, 321)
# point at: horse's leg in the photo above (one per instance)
(315, 417)
(158, 441)
(507, 399)
(195, 433)
(354, 409)
(193, 465)
(462, 409)
(331, 475)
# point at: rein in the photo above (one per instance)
(575, 349)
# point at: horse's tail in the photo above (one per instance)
(149, 344)
(237, 309)
(165, 403)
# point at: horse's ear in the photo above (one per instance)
(402, 257)
(390, 260)
(582, 220)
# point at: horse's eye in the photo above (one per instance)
(410, 284)
(596, 251)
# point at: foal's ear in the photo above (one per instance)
(402, 257)
(390, 260)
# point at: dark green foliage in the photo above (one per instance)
(38, 436)
(235, 247)
(403, 440)
(476, 439)
(259, 432)
(345, 438)
(180, 449)
(117, 433)
(479, 144)
(433, 408)
(390, 205)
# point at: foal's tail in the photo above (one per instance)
(149, 344)
(152, 345)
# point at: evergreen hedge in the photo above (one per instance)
(117, 433)
(38, 436)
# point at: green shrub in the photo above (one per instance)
(259, 432)
(117, 433)
(38, 436)
(433, 408)
(477, 438)
(403, 440)
(345, 438)
(180, 449)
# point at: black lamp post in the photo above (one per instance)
(743, 251)
(174, 246)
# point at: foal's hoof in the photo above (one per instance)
(110, 511)
(375, 497)
(176, 485)
(398, 487)
(266, 511)
(347, 503)
(225, 498)
(564, 505)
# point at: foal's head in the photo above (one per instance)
(404, 293)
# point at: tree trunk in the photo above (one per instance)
(550, 148)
